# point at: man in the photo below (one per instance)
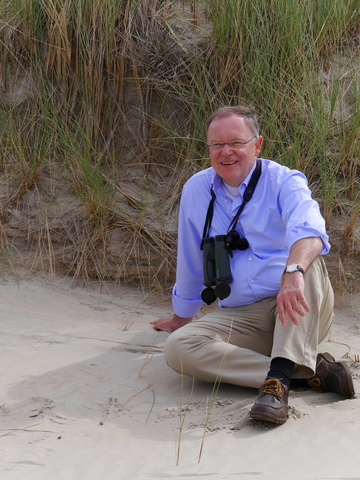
(276, 303)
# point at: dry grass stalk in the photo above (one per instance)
(118, 92)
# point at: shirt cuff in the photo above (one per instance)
(185, 307)
(300, 234)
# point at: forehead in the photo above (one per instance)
(231, 126)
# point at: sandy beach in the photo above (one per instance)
(86, 394)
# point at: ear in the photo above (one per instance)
(258, 144)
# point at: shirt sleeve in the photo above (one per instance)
(301, 214)
(186, 295)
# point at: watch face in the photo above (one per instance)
(291, 268)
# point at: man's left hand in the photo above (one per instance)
(291, 301)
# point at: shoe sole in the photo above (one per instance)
(268, 418)
(330, 359)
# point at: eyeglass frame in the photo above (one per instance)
(220, 146)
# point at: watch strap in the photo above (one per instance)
(297, 269)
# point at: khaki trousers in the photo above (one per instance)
(235, 345)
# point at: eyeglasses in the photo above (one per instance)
(232, 145)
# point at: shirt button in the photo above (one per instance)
(252, 281)
(250, 258)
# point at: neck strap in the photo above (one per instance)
(246, 198)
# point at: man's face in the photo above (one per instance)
(232, 164)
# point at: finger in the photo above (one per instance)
(282, 320)
(301, 306)
(282, 315)
(293, 317)
(305, 304)
(156, 327)
(298, 309)
(164, 324)
(291, 310)
(156, 324)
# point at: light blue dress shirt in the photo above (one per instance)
(280, 212)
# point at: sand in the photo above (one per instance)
(86, 394)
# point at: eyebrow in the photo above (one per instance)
(234, 139)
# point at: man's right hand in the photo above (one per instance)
(170, 324)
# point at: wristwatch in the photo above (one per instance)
(293, 268)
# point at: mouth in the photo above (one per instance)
(228, 163)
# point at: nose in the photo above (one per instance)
(226, 149)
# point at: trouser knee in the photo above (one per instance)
(180, 350)
(173, 351)
(318, 286)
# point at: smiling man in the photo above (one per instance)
(252, 238)
(233, 148)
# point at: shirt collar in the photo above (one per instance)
(218, 186)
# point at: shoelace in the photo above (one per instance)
(316, 383)
(272, 386)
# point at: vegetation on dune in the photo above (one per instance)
(102, 112)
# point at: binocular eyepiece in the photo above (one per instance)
(235, 242)
(216, 268)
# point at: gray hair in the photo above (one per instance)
(247, 113)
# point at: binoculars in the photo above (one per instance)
(216, 268)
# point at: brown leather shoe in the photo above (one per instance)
(271, 404)
(332, 376)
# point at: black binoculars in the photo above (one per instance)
(216, 268)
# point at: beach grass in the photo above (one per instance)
(102, 113)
